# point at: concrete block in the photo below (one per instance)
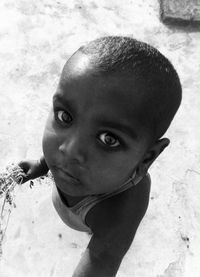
(182, 11)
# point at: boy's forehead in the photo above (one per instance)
(107, 93)
(80, 69)
(77, 65)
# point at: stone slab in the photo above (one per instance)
(180, 11)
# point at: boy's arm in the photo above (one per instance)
(114, 223)
(104, 254)
(33, 169)
(91, 265)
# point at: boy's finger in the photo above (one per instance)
(23, 178)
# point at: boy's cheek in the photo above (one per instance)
(50, 121)
(49, 145)
(50, 128)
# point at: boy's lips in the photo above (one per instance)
(67, 174)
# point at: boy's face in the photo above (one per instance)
(93, 140)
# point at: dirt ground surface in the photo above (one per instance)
(36, 38)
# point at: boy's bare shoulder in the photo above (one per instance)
(122, 211)
(114, 222)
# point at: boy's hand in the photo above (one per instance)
(32, 169)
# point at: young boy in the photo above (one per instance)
(115, 99)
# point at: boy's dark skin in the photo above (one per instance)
(83, 137)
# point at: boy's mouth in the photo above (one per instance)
(66, 174)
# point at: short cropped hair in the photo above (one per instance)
(128, 56)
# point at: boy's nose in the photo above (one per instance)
(74, 149)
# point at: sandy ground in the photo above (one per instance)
(36, 38)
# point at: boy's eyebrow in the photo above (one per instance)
(118, 126)
(62, 100)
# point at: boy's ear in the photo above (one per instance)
(151, 155)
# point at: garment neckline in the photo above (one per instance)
(126, 186)
(65, 201)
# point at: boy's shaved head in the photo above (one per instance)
(156, 78)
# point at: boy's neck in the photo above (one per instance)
(70, 200)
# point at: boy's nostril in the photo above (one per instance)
(73, 152)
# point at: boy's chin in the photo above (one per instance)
(71, 189)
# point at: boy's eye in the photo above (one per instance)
(64, 117)
(109, 139)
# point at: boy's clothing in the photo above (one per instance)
(75, 216)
